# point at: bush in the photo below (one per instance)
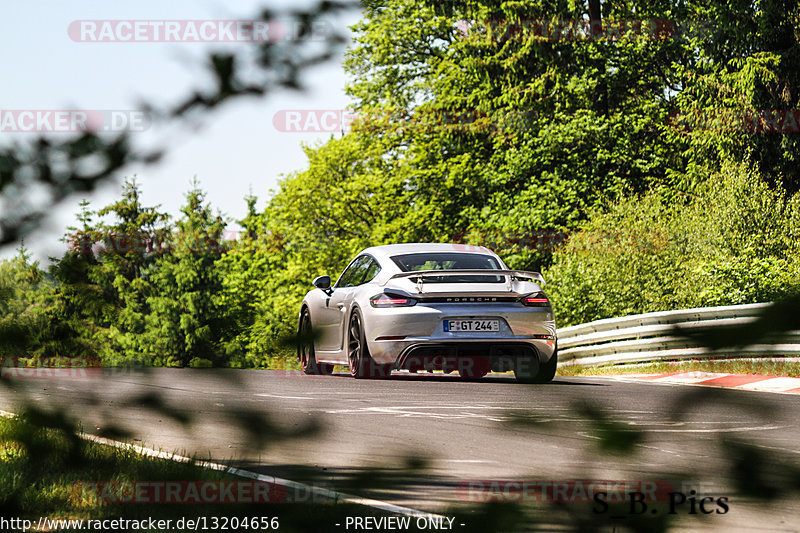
(734, 241)
(199, 362)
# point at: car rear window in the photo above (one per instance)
(450, 261)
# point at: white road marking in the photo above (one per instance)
(285, 397)
(416, 412)
(712, 430)
(663, 450)
(466, 461)
(775, 448)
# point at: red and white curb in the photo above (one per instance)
(753, 382)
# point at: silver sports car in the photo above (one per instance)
(416, 307)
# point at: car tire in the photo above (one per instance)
(305, 348)
(361, 364)
(545, 374)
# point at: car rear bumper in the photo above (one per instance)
(394, 336)
(499, 357)
(418, 354)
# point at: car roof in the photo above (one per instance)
(388, 250)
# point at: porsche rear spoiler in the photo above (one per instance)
(512, 275)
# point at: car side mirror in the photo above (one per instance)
(324, 283)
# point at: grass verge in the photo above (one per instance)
(48, 472)
(766, 367)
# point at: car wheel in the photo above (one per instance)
(305, 348)
(524, 370)
(361, 364)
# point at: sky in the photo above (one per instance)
(231, 152)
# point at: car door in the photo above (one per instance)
(364, 272)
(336, 307)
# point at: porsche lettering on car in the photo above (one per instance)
(426, 307)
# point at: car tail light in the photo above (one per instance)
(537, 299)
(391, 300)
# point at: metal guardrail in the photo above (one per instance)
(651, 337)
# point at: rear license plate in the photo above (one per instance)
(471, 325)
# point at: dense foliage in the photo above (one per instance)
(648, 162)
(736, 241)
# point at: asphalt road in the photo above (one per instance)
(420, 440)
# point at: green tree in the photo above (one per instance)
(81, 304)
(185, 320)
(497, 132)
(101, 281)
(739, 100)
(130, 247)
(24, 290)
(249, 269)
